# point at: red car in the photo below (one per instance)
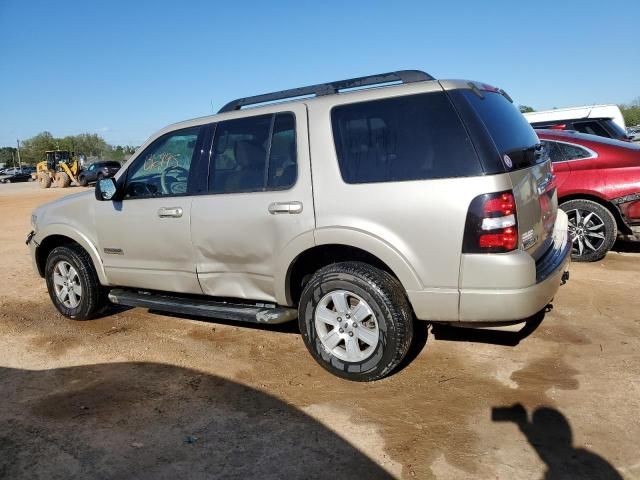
(598, 182)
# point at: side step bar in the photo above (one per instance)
(202, 307)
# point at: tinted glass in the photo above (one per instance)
(616, 130)
(163, 168)
(592, 128)
(240, 151)
(283, 166)
(413, 137)
(553, 151)
(561, 152)
(573, 152)
(511, 132)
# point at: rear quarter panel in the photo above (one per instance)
(415, 227)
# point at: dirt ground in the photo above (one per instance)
(138, 394)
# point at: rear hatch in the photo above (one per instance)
(528, 166)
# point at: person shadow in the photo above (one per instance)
(549, 433)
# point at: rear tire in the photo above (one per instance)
(370, 299)
(593, 238)
(44, 180)
(84, 297)
(62, 180)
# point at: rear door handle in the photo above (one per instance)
(285, 207)
(170, 212)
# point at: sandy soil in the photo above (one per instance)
(144, 395)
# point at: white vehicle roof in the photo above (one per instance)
(573, 113)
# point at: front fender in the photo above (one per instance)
(78, 237)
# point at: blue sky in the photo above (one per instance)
(124, 69)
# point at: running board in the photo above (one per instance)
(203, 307)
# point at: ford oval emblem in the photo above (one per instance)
(507, 161)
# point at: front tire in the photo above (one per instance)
(82, 180)
(592, 228)
(44, 180)
(62, 180)
(355, 321)
(73, 283)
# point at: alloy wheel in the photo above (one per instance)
(346, 326)
(587, 231)
(67, 284)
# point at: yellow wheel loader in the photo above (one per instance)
(60, 168)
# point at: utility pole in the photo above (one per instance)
(19, 162)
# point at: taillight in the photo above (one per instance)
(559, 126)
(492, 225)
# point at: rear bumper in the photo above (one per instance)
(509, 303)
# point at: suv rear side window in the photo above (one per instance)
(254, 154)
(414, 137)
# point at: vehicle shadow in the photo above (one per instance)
(549, 433)
(147, 420)
(626, 246)
(494, 337)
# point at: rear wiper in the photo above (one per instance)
(505, 95)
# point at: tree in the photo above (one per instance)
(8, 156)
(33, 149)
(631, 112)
(93, 145)
(526, 109)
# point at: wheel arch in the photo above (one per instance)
(373, 251)
(620, 223)
(58, 235)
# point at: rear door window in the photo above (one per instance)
(254, 154)
(414, 137)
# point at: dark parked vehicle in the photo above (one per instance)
(97, 171)
(11, 175)
(601, 127)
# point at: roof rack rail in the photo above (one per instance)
(402, 76)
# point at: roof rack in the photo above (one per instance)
(402, 76)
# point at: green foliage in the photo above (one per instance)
(631, 113)
(8, 156)
(526, 109)
(32, 150)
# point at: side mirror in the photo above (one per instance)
(106, 189)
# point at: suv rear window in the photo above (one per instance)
(511, 132)
(413, 137)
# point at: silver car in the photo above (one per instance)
(358, 207)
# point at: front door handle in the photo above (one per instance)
(285, 207)
(170, 212)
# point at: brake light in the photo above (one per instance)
(491, 224)
(560, 126)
